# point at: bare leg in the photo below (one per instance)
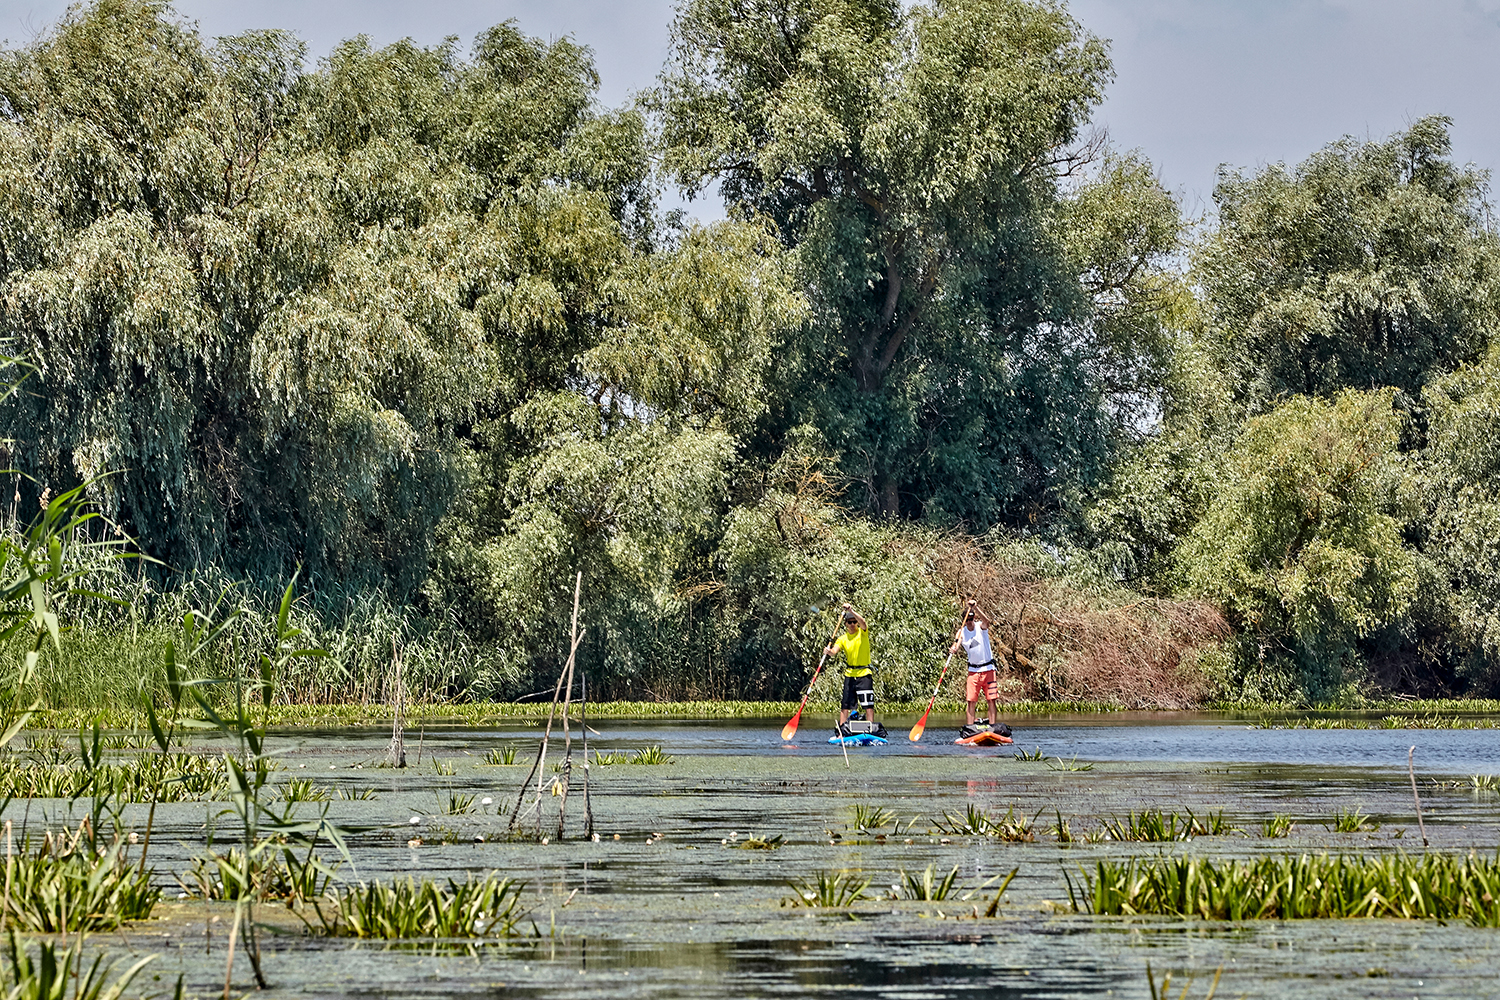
(843, 716)
(994, 714)
(970, 713)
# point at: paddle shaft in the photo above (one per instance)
(921, 726)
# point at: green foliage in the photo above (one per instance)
(487, 907)
(827, 889)
(1279, 825)
(57, 971)
(1371, 264)
(977, 823)
(1155, 826)
(1432, 886)
(1460, 481)
(1351, 820)
(926, 886)
(1302, 542)
(971, 326)
(177, 778)
(62, 887)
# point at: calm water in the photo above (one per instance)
(683, 915)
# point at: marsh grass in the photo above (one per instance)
(60, 888)
(1428, 886)
(58, 969)
(443, 768)
(1279, 825)
(1036, 756)
(501, 756)
(356, 794)
(487, 907)
(975, 822)
(172, 778)
(828, 890)
(868, 817)
(650, 755)
(1351, 821)
(303, 790)
(1155, 826)
(927, 886)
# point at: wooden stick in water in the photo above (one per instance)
(1411, 772)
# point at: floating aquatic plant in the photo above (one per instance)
(830, 890)
(1154, 825)
(1428, 886)
(303, 790)
(1279, 825)
(1058, 764)
(867, 817)
(1351, 821)
(975, 822)
(927, 886)
(650, 755)
(1166, 984)
(504, 756)
(488, 907)
(61, 888)
(1036, 755)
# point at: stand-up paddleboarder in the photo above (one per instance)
(859, 679)
(973, 637)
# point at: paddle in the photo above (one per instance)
(921, 726)
(790, 729)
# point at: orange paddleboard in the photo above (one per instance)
(983, 740)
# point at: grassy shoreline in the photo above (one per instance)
(1426, 714)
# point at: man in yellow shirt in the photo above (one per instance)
(859, 680)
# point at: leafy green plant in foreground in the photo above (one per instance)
(60, 888)
(487, 907)
(1429, 886)
(56, 971)
(650, 755)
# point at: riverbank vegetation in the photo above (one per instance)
(411, 319)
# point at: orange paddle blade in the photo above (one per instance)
(790, 729)
(918, 729)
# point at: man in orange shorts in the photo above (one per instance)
(973, 637)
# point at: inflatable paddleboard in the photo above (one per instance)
(859, 740)
(984, 739)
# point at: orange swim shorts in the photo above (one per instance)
(981, 683)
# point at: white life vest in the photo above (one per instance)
(976, 643)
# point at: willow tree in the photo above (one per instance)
(268, 305)
(914, 158)
(1369, 264)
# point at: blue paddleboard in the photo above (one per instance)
(859, 740)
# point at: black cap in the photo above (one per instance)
(849, 619)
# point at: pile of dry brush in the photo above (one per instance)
(1053, 642)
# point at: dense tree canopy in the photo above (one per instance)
(968, 335)
(410, 317)
(1371, 264)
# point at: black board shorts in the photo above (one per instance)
(853, 684)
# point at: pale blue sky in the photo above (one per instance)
(1199, 82)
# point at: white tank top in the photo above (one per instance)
(976, 643)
